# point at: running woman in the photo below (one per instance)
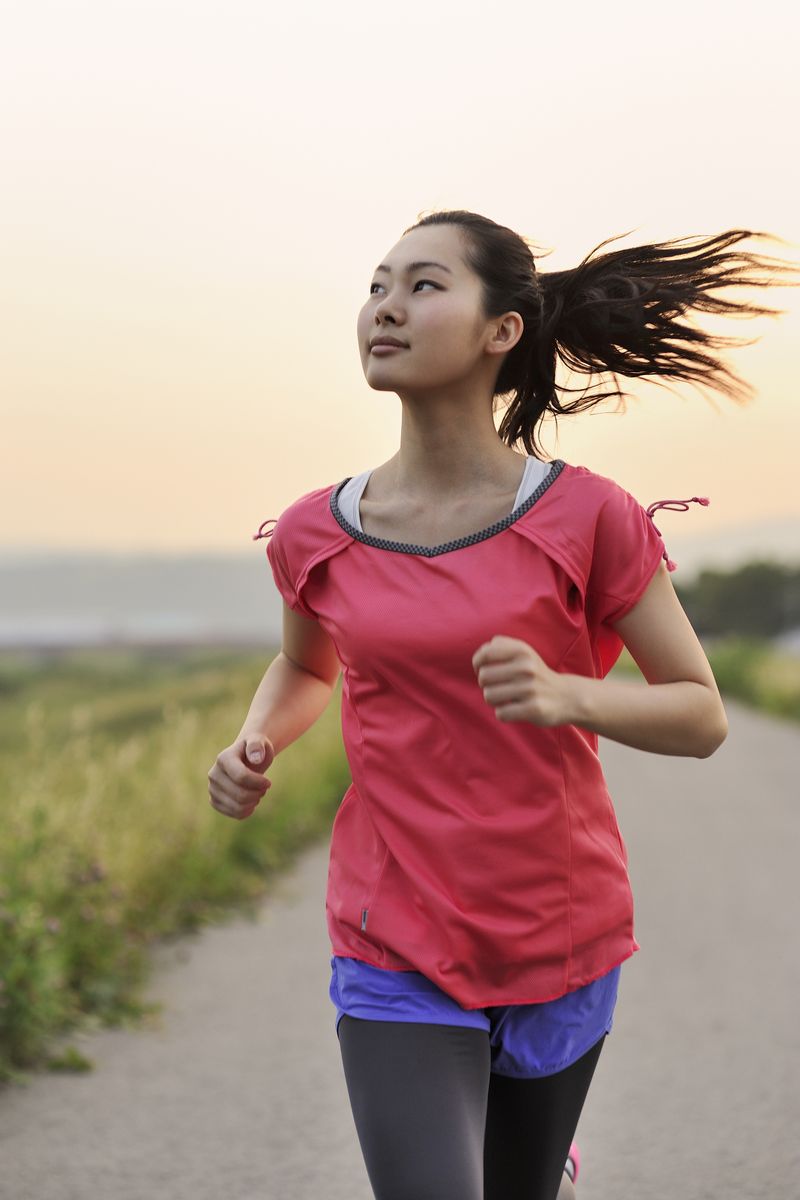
(474, 597)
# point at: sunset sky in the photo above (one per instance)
(196, 194)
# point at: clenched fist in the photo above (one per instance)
(236, 781)
(518, 683)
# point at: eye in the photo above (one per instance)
(430, 281)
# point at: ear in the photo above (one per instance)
(507, 332)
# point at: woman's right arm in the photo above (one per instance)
(297, 684)
(294, 692)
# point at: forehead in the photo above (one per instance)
(442, 243)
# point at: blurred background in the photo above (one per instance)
(195, 197)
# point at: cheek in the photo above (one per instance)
(453, 323)
(450, 340)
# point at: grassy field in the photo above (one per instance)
(109, 840)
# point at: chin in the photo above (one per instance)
(382, 387)
(375, 369)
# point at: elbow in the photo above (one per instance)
(713, 743)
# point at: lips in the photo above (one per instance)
(387, 341)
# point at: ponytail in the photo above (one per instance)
(616, 313)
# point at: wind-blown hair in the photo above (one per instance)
(614, 313)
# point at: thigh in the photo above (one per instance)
(418, 1094)
(530, 1124)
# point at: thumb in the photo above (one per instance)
(256, 749)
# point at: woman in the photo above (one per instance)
(475, 598)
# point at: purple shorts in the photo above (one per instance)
(527, 1040)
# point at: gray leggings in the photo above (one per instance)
(435, 1124)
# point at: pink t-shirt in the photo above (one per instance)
(484, 854)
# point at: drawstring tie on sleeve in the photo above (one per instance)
(274, 521)
(677, 506)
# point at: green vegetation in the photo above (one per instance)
(753, 671)
(109, 838)
(755, 600)
(110, 842)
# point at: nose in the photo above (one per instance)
(384, 311)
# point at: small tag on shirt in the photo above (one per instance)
(364, 912)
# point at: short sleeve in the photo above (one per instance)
(281, 573)
(626, 553)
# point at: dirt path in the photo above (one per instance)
(240, 1092)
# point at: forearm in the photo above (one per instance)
(287, 702)
(682, 718)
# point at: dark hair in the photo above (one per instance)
(613, 313)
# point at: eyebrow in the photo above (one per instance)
(415, 266)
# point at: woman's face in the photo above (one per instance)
(435, 311)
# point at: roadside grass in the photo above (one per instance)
(109, 839)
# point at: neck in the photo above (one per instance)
(448, 449)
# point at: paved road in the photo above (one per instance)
(240, 1092)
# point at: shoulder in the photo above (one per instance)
(589, 487)
(583, 504)
(600, 508)
(306, 529)
(305, 533)
(306, 522)
(591, 525)
(307, 507)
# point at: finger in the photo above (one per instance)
(499, 649)
(233, 801)
(515, 680)
(224, 786)
(516, 670)
(503, 694)
(234, 770)
(231, 808)
(231, 795)
(511, 711)
(244, 776)
(237, 815)
(503, 647)
(482, 657)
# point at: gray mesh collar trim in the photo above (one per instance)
(459, 543)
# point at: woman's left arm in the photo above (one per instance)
(679, 709)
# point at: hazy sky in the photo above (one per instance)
(195, 195)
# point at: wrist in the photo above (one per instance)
(577, 694)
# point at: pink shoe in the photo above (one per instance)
(573, 1164)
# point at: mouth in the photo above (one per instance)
(387, 340)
